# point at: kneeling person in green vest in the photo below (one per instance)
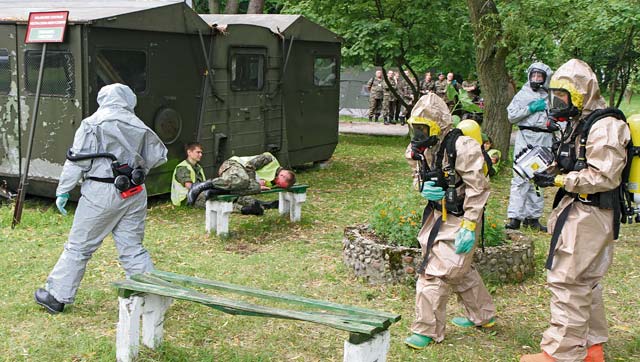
(245, 176)
(450, 224)
(187, 173)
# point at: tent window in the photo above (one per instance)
(5, 72)
(324, 71)
(247, 71)
(127, 67)
(58, 78)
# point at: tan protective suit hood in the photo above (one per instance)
(432, 107)
(580, 75)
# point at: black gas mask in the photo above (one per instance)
(124, 178)
(424, 134)
(537, 77)
(560, 106)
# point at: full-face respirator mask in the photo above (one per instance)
(126, 179)
(424, 134)
(537, 77)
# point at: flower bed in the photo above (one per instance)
(379, 262)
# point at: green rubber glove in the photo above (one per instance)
(61, 202)
(465, 237)
(431, 192)
(537, 105)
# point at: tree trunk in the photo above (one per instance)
(214, 6)
(231, 7)
(492, 72)
(255, 7)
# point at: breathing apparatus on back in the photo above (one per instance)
(126, 179)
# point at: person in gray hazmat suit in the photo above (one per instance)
(527, 111)
(584, 223)
(448, 243)
(102, 208)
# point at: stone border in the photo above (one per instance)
(383, 263)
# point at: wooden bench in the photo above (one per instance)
(218, 210)
(148, 296)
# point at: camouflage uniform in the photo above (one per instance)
(376, 93)
(426, 87)
(407, 95)
(389, 102)
(441, 89)
(241, 180)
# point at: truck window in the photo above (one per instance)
(324, 71)
(5, 72)
(247, 71)
(58, 79)
(127, 67)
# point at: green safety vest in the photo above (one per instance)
(267, 172)
(178, 191)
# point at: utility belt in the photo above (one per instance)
(126, 193)
(608, 200)
(126, 179)
(535, 129)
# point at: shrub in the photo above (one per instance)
(494, 234)
(398, 219)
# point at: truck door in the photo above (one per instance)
(9, 105)
(247, 100)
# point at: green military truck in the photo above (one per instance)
(239, 84)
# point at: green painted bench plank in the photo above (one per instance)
(282, 297)
(296, 189)
(243, 308)
(376, 321)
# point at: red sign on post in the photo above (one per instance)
(46, 27)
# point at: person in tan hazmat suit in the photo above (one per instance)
(448, 242)
(583, 223)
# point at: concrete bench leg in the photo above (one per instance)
(373, 350)
(128, 330)
(217, 215)
(291, 203)
(153, 319)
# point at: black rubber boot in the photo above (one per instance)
(386, 120)
(402, 121)
(534, 224)
(370, 119)
(269, 204)
(196, 189)
(513, 224)
(377, 118)
(253, 209)
(45, 299)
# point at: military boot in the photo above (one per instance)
(513, 224)
(269, 204)
(45, 299)
(377, 118)
(386, 121)
(402, 121)
(253, 209)
(196, 189)
(370, 119)
(534, 224)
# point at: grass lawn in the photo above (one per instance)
(270, 252)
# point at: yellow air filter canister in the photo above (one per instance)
(634, 174)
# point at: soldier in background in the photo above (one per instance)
(428, 84)
(441, 87)
(389, 101)
(374, 86)
(407, 95)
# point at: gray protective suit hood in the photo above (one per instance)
(541, 66)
